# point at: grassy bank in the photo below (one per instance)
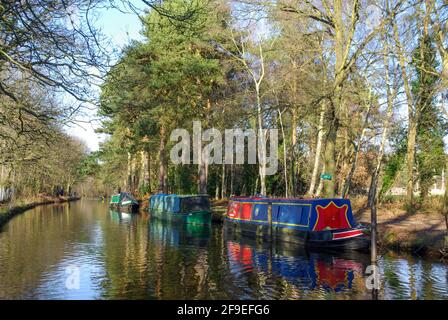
(420, 232)
(8, 211)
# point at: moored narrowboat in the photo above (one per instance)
(320, 223)
(193, 209)
(124, 202)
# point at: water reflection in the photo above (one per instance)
(177, 235)
(413, 278)
(121, 217)
(121, 256)
(306, 270)
(298, 271)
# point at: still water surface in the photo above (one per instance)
(119, 256)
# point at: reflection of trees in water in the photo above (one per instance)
(183, 256)
(428, 283)
(33, 242)
(412, 278)
(155, 260)
(393, 279)
(125, 256)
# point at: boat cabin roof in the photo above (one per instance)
(181, 195)
(285, 200)
(304, 214)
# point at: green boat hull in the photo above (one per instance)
(197, 217)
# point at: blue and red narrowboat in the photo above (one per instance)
(319, 223)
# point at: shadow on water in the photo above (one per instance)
(123, 256)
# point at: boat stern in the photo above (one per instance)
(341, 239)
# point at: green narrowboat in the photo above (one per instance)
(124, 202)
(193, 209)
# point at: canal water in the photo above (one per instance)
(82, 250)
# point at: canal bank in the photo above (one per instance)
(7, 212)
(422, 233)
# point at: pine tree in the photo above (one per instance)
(430, 132)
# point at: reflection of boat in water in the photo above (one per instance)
(315, 223)
(177, 234)
(193, 209)
(120, 216)
(298, 266)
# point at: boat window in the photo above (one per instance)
(233, 210)
(195, 204)
(246, 211)
(168, 203)
(260, 212)
(290, 214)
(304, 220)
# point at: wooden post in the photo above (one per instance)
(373, 239)
(373, 232)
(445, 213)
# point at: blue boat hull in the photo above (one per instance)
(198, 218)
(309, 239)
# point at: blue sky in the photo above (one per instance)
(120, 28)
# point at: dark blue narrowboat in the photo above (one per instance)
(319, 223)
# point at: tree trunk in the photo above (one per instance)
(129, 173)
(390, 104)
(217, 191)
(340, 45)
(320, 136)
(162, 159)
(262, 146)
(149, 171)
(348, 180)
(223, 181)
(202, 188)
(135, 176)
(293, 171)
(256, 186)
(412, 119)
(232, 169)
(321, 183)
(144, 173)
(203, 163)
(284, 155)
(412, 136)
(330, 153)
